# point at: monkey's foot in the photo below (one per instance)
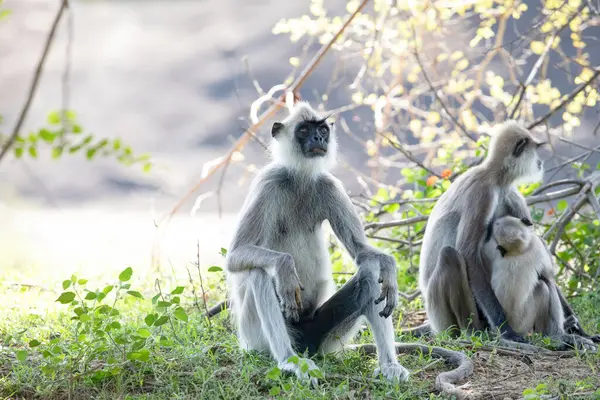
(578, 342)
(296, 368)
(392, 371)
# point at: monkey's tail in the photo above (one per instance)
(445, 380)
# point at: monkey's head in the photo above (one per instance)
(304, 139)
(512, 234)
(513, 150)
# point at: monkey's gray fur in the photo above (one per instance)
(523, 278)
(278, 268)
(454, 278)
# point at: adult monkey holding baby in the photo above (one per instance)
(453, 276)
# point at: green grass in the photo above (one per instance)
(118, 352)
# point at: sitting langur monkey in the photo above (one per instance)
(453, 276)
(522, 276)
(278, 268)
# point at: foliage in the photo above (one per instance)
(99, 344)
(441, 74)
(64, 135)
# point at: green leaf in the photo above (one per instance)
(73, 278)
(161, 321)
(178, 290)
(66, 297)
(274, 373)
(223, 251)
(164, 304)
(135, 294)
(147, 167)
(82, 281)
(33, 152)
(143, 332)
(116, 144)
(90, 153)
(562, 205)
(47, 136)
(115, 325)
(275, 390)
(294, 359)
(85, 318)
(126, 274)
(91, 296)
(18, 152)
(76, 129)
(34, 343)
(180, 314)
(150, 318)
(54, 118)
(21, 355)
(316, 373)
(57, 152)
(107, 289)
(66, 284)
(215, 268)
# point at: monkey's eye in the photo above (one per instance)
(323, 131)
(526, 221)
(520, 146)
(303, 131)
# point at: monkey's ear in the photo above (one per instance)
(526, 221)
(276, 128)
(502, 250)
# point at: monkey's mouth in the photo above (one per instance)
(316, 152)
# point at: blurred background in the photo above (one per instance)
(175, 81)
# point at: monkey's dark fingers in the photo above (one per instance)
(380, 298)
(595, 338)
(380, 280)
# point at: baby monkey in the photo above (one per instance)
(523, 278)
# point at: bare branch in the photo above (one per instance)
(561, 182)
(36, 78)
(401, 222)
(582, 198)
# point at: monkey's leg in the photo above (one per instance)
(272, 327)
(337, 319)
(449, 301)
(550, 318)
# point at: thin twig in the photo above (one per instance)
(409, 155)
(436, 94)
(34, 83)
(561, 182)
(270, 112)
(401, 222)
(201, 280)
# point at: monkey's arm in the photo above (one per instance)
(516, 205)
(470, 236)
(347, 226)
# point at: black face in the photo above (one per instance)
(313, 137)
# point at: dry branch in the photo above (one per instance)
(270, 112)
(36, 78)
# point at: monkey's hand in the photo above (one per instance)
(288, 288)
(389, 284)
(572, 326)
(513, 336)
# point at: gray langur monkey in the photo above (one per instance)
(522, 277)
(278, 268)
(453, 276)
